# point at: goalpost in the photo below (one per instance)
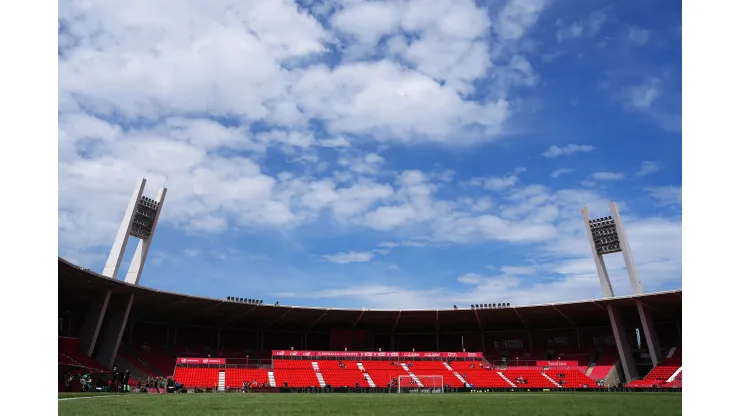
(421, 384)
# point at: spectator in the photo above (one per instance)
(126, 376)
(114, 379)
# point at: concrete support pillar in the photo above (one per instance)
(623, 346)
(93, 322)
(649, 334)
(109, 340)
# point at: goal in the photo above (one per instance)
(421, 384)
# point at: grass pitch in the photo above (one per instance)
(457, 404)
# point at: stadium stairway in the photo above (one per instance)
(506, 379)
(535, 378)
(365, 375)
(455, 373)
(551, 380)
(383, 371)
(271, 378)
(221, 381)
(570, 378)
(319, 376)
(674, 375)
(480, 377)
(436, 368)
(413, 376)
(342, 376)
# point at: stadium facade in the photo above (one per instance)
(125, 324)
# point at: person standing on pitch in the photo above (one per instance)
(114, 379)
(126, 376)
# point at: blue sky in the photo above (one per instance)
(384, 154)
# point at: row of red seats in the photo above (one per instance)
(71, 348)
(660, 374)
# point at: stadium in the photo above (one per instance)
(119, 338)
(371, 175)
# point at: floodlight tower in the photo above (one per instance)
(140, 221)
(607, 235)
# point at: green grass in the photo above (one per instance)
(457, 404)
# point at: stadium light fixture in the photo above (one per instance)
(607, 235)
(139, 221)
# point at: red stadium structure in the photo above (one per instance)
(214, 344)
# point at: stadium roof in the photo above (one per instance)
(76, 285)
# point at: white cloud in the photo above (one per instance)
(656, 244)
(470, 278)
(350, 257)
(666, 195)
(334, 142)
(590, 27)
(648, 167)
(642, 96)
(497, 183)
(517, 17)
(569, 149)
(560, 172)
(572, 31)
(638, 36)
(608, 176)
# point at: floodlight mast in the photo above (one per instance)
(140, 221)
(607, 235)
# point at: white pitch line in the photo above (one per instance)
(88, 397)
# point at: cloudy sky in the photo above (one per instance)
(380, 154)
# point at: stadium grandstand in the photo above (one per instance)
(221, 345)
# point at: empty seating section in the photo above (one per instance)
(235, 377)
(206, 378)
(134, 361)
(383, 371)
(157, 358)
(660, 374)
(336, 376)
(435, 368)
(532, 378)
(604, 365)
(479, 376)
(70, 349)
(571, 378)
(297, 373)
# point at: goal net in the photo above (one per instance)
(421, 384)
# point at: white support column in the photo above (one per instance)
(142, 249)
(119, 245)
(623, 346)
(650, 334)
(606, 284)
(626, 251)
